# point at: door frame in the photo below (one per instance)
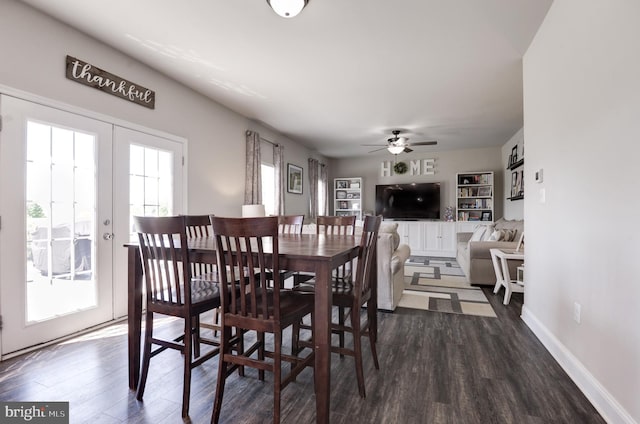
(66, 107)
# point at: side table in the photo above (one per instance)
(500, 258)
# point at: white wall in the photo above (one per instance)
(34, 48)
(447, 164)
(513, 209)
(582, 127)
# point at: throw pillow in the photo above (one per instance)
(478, 233)
(488, 232)
(391, 227)
(509, 235)
(497, 235)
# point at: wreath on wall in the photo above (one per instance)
(400, 168)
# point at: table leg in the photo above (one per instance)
(506, 277)
(134, 318)
(498, 272)
(322, 341)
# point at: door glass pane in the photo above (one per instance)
(150, 183)
(60, 205)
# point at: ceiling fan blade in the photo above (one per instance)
(407, 149)
(377, 150)
(374, 145)
(425, 143)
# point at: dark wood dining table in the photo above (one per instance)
(319, 254)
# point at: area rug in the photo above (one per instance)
(439, 285)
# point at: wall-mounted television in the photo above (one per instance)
(408, 201)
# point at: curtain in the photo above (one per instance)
(253, 182)
(323, 188)
(278, 164)
(313, 188)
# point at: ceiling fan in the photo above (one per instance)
(398, 144)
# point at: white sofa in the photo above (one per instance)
(391, 257)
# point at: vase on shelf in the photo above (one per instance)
(448, 213)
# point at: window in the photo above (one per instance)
(268, 175)
(322, 197)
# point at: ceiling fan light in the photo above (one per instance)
(394, 150)
(287, 8)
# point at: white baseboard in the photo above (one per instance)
(599, 397)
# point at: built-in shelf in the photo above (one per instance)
(474, 196)
(517, 187)
(347, 198)
(516, 164)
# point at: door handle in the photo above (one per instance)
(107, 236)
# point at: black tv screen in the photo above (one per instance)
(408, 201)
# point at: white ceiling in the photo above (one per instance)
(343, 72)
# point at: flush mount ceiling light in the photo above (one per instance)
(287, 8)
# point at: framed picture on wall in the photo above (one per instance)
(515, 183)
(294, 179)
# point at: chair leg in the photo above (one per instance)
(195, 329)
(357, 348)
(277, 375)
(261, 354)
(225, 347)
(188, 351)
(295, 341)
(216, 321)
(146, 355)
(341, 334)
(374, 353)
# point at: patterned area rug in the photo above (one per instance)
(439, 284)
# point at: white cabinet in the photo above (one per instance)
(429, 238)
(440, 238)
(347, 197)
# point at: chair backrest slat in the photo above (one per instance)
(242, 246)
(368, 244)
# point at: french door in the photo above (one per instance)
(68, 186)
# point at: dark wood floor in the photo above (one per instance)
(435, 368)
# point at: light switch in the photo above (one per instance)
(543, 195)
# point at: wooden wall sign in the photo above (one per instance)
(87, 74)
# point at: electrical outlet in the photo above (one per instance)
(576, 312)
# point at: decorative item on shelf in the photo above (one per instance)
(514, 154)
(400, 168)
(448, 213)
(486, 216)
(342, 184)
(341, 194)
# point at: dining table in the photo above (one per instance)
(311, 253)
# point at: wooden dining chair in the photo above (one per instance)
(350, 296)
(330, 225)
(170, 291)
(199, 226)
(288, 224)
(338, 225)
(251, 305)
